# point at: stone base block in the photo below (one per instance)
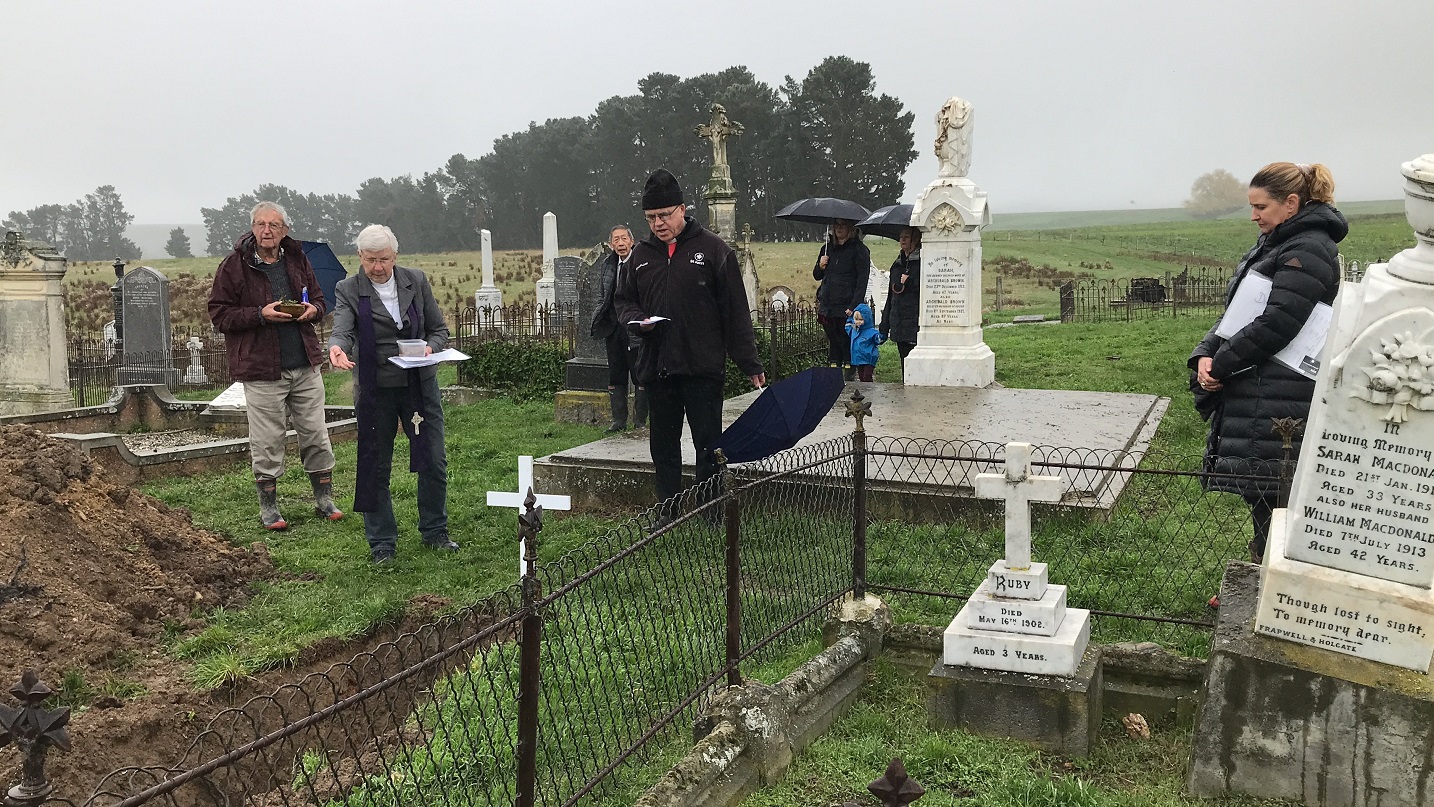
(1022, 584)
(1039, 617)
(1059, 715)
(1060, 654)
(582, 406)
(1351, 613)
(944, 366)
(26, 399)
(1286, 721)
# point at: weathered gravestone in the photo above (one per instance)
(148, 358)
(565, 291)
(544, 288)
(34, 376)
(488, 296)
(587, 369)
(1016, 622)
(1310, 692)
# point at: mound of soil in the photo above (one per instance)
(91, 575)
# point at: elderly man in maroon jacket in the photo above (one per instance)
(276, 355)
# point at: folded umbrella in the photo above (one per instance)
(822, 210)
(784, 413)
(888, 222)
(327, 268)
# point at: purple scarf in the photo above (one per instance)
(367, 491)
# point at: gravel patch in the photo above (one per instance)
(174, 438)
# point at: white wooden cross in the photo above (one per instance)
(515, 500)
(1019, 489)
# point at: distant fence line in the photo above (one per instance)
(1192, 292)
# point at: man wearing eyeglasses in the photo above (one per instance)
(276, 354)
(683, 297)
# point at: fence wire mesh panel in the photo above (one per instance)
(425, 718)
(1190, 293)
(1136, 538)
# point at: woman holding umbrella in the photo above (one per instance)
(901, 317)
(843, 269)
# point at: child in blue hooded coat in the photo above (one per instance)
(861, 327)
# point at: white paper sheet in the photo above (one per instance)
(1249, 302)
(1251, 297)
(648, 321)
(409, 362)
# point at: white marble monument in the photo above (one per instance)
(1016, 621)
(951, 212)
(547, 285)
(1350, 563)
(34, 371)
(489, 295)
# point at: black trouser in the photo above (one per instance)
(838, 341)
(669, 398)
(393, 409)
(619, 366)
(1261, 511)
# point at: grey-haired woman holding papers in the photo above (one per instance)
(1240, 384)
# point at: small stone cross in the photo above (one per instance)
(525, 488)
(415, 420)
(1019, 489)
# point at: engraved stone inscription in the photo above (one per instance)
(944, 292)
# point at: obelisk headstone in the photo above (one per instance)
(488, 295)
(546, 285)
(951, 212)
(34, 370)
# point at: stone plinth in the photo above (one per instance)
(582, 406)
(34, 371)
(1285, 721)
(952, 351)
(1057, 714)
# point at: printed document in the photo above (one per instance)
(410, 362)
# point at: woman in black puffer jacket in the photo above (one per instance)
(1239, 386)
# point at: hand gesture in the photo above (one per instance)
(339, 359)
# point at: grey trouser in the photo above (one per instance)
(299, 395)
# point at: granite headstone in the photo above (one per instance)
(148, 357)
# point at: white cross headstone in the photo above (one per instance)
(1019, 489)
(515, 500)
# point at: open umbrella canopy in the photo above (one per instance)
(888, 222)
(822, 210)
(326, 267)
(784, 413)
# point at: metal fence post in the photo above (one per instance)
(858, 407)
(772, 345)
(733, 511)
(530, 523)
(34, 730)
(1288, 429)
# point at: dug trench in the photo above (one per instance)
(96, 580)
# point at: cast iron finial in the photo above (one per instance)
(1288, 429)
(33, 729)
(858, 407)
(896, 789)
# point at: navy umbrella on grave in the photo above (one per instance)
(326, 268)
(822, 210)
(887, 222)
(784, 413)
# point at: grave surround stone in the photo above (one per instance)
(1351, 562)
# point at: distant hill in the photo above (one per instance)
(1105, 218)
(151, 238)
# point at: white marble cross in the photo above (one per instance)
(515, 500)
(1019, 489)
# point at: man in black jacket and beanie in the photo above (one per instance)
(685, 292)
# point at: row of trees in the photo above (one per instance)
(829, 134)
(89, 229)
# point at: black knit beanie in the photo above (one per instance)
(661, 191)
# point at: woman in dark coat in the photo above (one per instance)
(843, 269)
(1240, 386)
(901, 316)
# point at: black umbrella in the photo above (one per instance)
(887, 222)
(822, 210)
(784, 413)
(326, 268)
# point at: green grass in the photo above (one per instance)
(962, 770)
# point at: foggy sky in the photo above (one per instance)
(1079, 105)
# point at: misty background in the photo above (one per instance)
(1090, 106)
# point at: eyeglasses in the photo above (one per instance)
(270, 225)
(653, 218)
